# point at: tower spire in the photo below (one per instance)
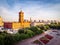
(30, 19)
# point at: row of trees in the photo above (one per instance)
(9, 39)
(54, 25)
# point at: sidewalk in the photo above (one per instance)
(54, 41)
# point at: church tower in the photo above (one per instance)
(21, 16)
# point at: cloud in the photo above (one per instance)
(32, 9)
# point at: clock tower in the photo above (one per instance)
(21, 16)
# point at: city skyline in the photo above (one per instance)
(36, 9)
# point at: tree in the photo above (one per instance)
(17, 37)
(9, 39)
(35, 29)
(21, 31)
(1, 40)
(30, 33)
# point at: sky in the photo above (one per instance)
(34, 9)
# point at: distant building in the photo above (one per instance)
(34, 20)
(1, 22)
(37, 23)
